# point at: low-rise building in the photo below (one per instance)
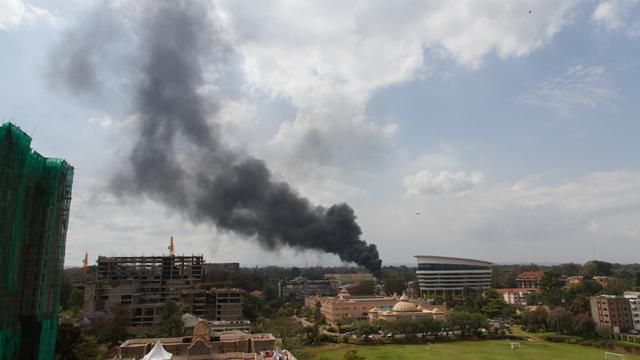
(338, 280)
(301, 287)
(634, 303)
(516, 296)
(345, 308)
(529, 279)
(612, 311)
(202, 346)
(574, 280)
(602, 280)
(405, 309)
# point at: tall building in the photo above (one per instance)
(612, 311)
(634, 303)
(144, 283)
(529, 279)
(442, 277)
(35, 194)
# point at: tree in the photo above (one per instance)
(551, 287)
(597, 268)
(393, 283)
(366, 287)
(76, 300)
(604, 331)
(353, 355)
(561, 320)
(171, 319)
(116, 331)
(87, 348)
(493, 304)
(317, 314)
(284, 328)
(466, 322)
(68, 337)
(365, 328)
(583, 325)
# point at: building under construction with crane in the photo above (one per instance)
(35, 195)
(144, 283)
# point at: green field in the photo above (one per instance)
(466, 350)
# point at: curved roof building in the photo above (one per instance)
(443, 277)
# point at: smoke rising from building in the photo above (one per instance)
(179, 158)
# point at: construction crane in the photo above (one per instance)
(171, 253)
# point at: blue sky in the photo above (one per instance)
(514, 135)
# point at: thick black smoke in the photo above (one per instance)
(178, 158)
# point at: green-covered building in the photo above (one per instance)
(35, 193)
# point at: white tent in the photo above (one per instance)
(158, 353)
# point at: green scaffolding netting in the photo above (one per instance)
(35, 194)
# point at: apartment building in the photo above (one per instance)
(634, 303)
(612, 311)
(529, 279)
(516, 296)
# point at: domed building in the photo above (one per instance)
(405, 309)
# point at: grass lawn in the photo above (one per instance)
(466, 350)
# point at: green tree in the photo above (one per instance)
(583, 325)
(171, 319)
(117, 331)
(551, 287)
(597, 268)
(285, 328)
(493, 304)
(76, 300)
(67, 339)
(353, 355)
(366, 287)
(467, 323)
(393, 283)
(87, 348)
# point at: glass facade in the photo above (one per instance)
(448, 277)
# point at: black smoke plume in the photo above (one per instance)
(178, 158)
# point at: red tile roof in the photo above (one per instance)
(530, 275)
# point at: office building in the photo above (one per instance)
(35, 195)
(612, 311)
(529, 279)
(443, 277)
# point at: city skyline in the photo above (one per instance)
(494, 133)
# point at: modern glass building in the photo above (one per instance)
(444, 277)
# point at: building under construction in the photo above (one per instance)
(144, 283)
(35, 193)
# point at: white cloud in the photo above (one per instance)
(14, 13)
(576, 87)
(618, 15)
(329, 57)
(426, 182)
(503, 222)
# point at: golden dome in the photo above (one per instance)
(404, 305)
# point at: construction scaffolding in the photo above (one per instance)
(35, 194)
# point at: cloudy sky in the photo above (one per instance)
(504, 131)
